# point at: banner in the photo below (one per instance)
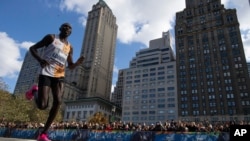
(2, 131)
(117, 135)
(189, 136)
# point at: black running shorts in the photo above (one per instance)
(49, 81)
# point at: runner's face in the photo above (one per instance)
(66, 29)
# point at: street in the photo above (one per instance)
(14, 139)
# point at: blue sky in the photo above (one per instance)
(25, 22)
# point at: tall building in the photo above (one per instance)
(248, 67)
(118, 89)
(149, 84)
(28, 74)
(89, 86)
(213, 81)
(94, 78)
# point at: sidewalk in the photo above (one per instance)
(14, 139)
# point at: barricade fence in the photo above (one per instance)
(114, 135)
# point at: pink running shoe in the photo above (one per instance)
(30, 94)
(43, 137)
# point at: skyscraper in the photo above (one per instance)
(88, 87)
(149, 84)
(248, 67)
(213, 81)
(118, 90)
(94, 77)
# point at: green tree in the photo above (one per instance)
(16, 108)
(4, 98)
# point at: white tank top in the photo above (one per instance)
(56, 54)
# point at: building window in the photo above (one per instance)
(161, 73)
(126, 113)
(212, 104)
(161, 101)
(161, 105)
(171, 66)
(135, 113)
(184, 106)
(151, 112)
(229, 18)
(171, 88)
(230, 96)
(161, 89)
(170, 105)
(170, 71)
(152, 74)
(161, 68)
(161, 117)
(152, 69)
(152, 106)
(152, 95)
(231, 103)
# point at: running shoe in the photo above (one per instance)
(43, 137)
(33, 91)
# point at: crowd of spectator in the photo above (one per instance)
(171, 126)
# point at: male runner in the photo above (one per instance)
(57, 53)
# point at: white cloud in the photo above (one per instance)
(115, 69)
(10, 54)
(243, 11)
(26, 44)
(112, 88)
(138, 21)
(144, 20)
(246, 42)
(82, 6)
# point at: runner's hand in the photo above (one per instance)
(43, 63)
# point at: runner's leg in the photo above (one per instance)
(42, 98)
(57, 92)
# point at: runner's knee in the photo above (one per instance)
(57, 101)
(42, 105)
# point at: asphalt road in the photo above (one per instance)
(14, 139)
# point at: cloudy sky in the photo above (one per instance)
(25, 22)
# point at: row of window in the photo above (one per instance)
(78, 114)
(150, 79)
(169, 105)
(150, 118)
(150, 96)
(211, 104)
(152, 101)
(145, 91)
(151, 69)
(148, 112)
(210, 88)
(80, 106)
(212, 112)
(159, 83)
(150, 74)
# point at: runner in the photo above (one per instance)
(57, 53)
